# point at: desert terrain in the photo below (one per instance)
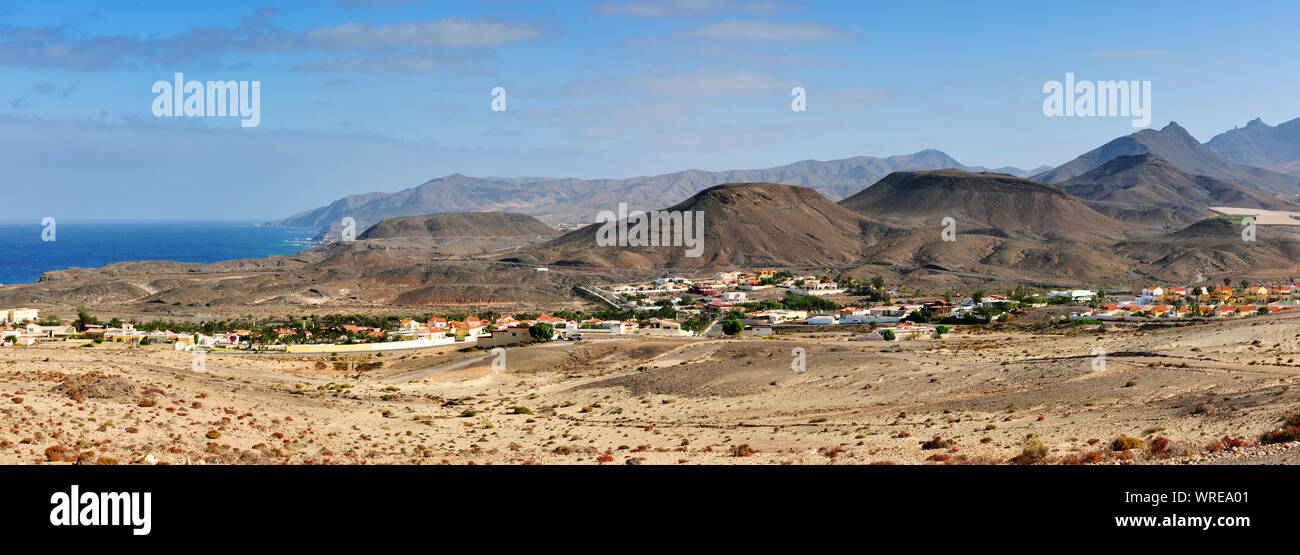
(982, 395)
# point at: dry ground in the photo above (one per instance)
(668, 401)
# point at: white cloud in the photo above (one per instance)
(400, 63)
(1132, 54)
(767, 31)
(669, 8)
(448, 32)
(703, 82)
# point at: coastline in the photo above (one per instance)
(25, 256)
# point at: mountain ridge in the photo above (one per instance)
(575, 200)
(1175, 144)
(1258, 144)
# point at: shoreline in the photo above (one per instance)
(99, 252)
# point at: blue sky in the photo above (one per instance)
(380, 95)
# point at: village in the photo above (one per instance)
(730, 303)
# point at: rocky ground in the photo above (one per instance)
(1182, 394)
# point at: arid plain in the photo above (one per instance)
(1187, 393)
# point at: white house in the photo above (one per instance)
(734, 296)
(778, 316)
(1073, 294)
(817, 287)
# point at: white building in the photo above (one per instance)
(734, 296)
(1073, 294)
(17, 315)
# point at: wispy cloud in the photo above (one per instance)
(768, 31)
(447, 32)
(671, 8)
(1132, 54)
(398, 63)
(60, 47)
(703, 82)
(50, 89)
(842, 99)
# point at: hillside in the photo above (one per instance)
(577, 200)
(1260, 144)
(745, 225)
(978, 201)
(1215, 247)
(1136, 187)
(1175, 144)
(461, 225)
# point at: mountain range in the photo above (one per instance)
(1259, 144)
(578, 200)
(1152, 191)
(1175, 144)
(1257, 157)
(1133, 210)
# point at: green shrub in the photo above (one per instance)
(732, 327)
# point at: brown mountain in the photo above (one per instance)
(1149, 190)
(1175, 144)
(1005, 226)
(979, 201)
(576, 200)
(745, 225)
(461, 225)
(1214, 247)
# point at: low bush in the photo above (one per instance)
(1124, 443)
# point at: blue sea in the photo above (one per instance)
(24, 255)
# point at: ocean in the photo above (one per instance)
(24, 255)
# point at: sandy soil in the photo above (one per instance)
(633, 400)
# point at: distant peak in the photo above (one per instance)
(1173, 126)
(1255, 123)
